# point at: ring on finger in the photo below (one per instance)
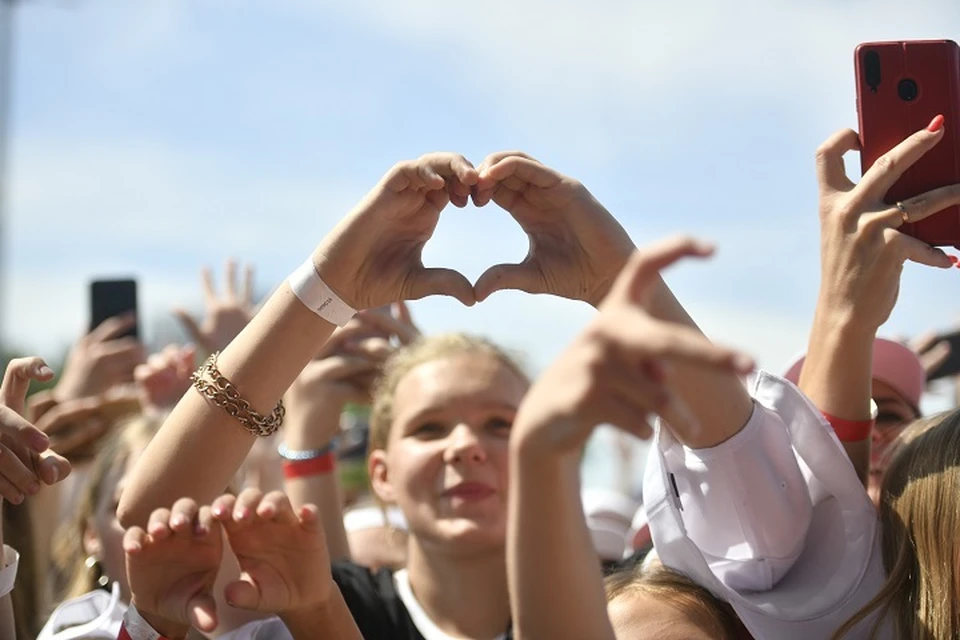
(903, 212)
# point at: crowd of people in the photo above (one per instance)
(196, 491)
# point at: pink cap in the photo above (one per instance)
(893, 364)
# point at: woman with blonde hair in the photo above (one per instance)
(919, 513)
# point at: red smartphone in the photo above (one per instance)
(901, 87)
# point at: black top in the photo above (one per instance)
(375, 604)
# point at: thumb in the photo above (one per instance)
(190, 325)
(645, 264)
(202, 612)
(522, 277)
(16, 380)
(447, 282)
(243, 594)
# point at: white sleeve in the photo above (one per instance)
(8, 575)
(745, 503)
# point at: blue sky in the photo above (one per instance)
(156, 136)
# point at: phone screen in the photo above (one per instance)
(110, 298)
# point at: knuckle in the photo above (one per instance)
(887, 163)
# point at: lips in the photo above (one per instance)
(470, 491)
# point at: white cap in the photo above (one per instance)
(608, 515)
(837, 567)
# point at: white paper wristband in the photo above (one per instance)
(314, 292)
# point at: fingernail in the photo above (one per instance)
(56, 474)
(743, 363)
(45, 371)
(936, 124)
(177, 521)
(954, 259)
(33, 488)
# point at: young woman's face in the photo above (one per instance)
(894, 413)
(446, 461)
(639, 616)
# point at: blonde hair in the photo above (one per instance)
(713, 616)
(920, 520)
(422, 351)
(69, 555)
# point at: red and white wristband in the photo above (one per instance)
(307, 463)
(317, 296)
(853, 430)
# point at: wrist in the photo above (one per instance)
(135, 619)
(312, 429)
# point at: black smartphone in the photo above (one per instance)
(951, 365)
(110, 298)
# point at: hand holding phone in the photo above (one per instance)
(901, 87)
(112, 298)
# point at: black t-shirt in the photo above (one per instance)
(375, 604)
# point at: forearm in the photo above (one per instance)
(200, 447)
(332, 620)
(8, 625)
(718, 400)
(836, 375)
(548, 536)
(308, 430)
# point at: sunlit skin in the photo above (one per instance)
(640, 616)
(446, 461)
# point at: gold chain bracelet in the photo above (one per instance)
(213, 386)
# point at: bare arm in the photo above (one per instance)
(862, 256)
(371, 258)
(615, 372)
(334, 618)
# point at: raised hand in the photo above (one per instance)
(862, 251)
(373, 256)
(100, 360)
(173, 564)
(225, 316)
(25, 459)
(283, 558)
(75, 427)
(165, 377)
(576, 247)
(618, 370)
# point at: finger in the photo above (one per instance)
(923, 342)
(202, 612)
(190, 325)
(674, 342)
(646, 264)
(447, 282)
(309, 517)
(16, 380)
(158, 526)
(83, 434)
(222, 507)
(53, 468)
(401, 312)
(68, 414)
(9, 491)
(465, 173)
(909, 248)
(20, 434)
(230, 279)
(630, 411)
(246, 505)
(204, 523)
(113, 327)
(17, 473)
(522, 277)
(892, 165)
(831, 172)
(183, 514)
(919, 207)
(243, 594)
(495, 158)
(247, 291)
(209, 290)
(527, 170)
(135, 540)
(122, 350)
(39, 403)
(276, 506)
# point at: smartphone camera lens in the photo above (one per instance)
(907, 89)
(871, 70)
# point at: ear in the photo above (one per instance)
(92, 545)
(379, 477)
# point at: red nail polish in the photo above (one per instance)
(936, 124)
(954, 259)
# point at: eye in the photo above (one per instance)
(889, 419)
(429, 430)
(499, 425)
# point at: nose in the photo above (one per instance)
(463, 445)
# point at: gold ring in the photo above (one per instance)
(903, 213)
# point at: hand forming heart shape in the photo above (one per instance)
(373, 256)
